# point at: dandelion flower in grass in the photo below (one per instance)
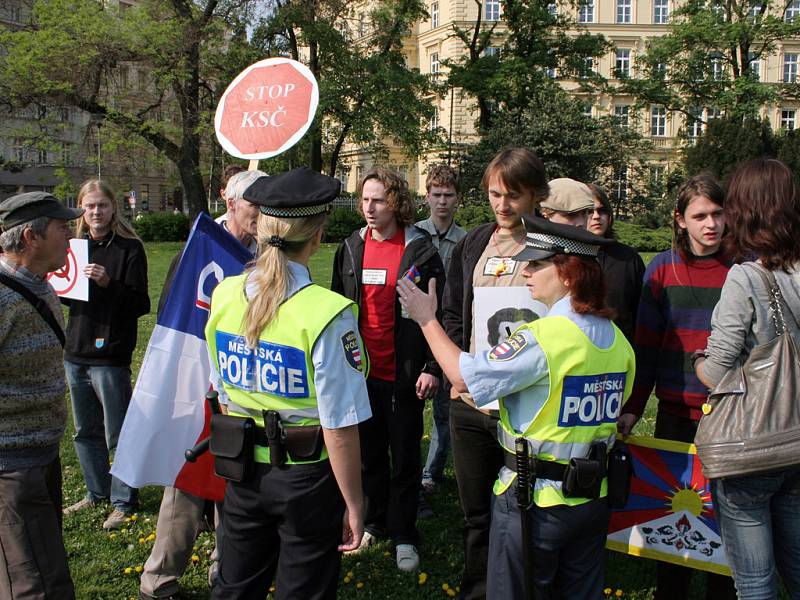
(423, 577)
(128, 571)
(347, 579)
(134, 516)
(151, 537)
(112, 536)
(360, 584)
(618, 593)
(607, 591)
(451, 593)
(387, 553)
(350, 574)
(445, 586)
(195, 558)
(272, 589)
(138, 568)
(141, 540)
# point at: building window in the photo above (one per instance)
(694, 122)
(624, 11)
(755, 66)
(621, 184)
(362, 26)
(717, 67)
(66, 154)
(792, 11)
(491, 51)
(552, 8)
(658, 121)
(434, 15)
(552, 62)
(661, 12)
(491, 10)
(587, 67)
(433, 125)
(713, 113)
(790, 67)
(18, 151)
(787, 119)
(587, 110)
(41, 156)
(754, 13)
(434, 65)
(657, 175)
(622, 66)
(622, 113)
(586, 11)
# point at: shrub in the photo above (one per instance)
(643, 239)
(472, 215)
(341, 223)
(163, 227)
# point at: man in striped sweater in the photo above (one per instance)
(35, 238)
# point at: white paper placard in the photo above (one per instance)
(70, 281)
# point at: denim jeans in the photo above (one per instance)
(759, 516)
(100, 397)
(440, 436)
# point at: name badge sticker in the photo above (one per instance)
(373, 276)
(589, 400)
(499, 266)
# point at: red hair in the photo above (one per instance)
(587, 284)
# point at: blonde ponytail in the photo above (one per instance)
(270, 273)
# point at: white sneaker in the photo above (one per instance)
(366, 541)
(407, 558)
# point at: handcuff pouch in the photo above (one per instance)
(304, 443)
(232, 444)
(584, 476)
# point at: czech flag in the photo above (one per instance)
(669, 515)
(168, 412)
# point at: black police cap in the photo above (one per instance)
(544, 239)
(297, 193)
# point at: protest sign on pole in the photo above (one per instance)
(266, 109)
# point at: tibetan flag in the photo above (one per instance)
(168, 412)
(669, 515)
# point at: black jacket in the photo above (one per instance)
(412, 355)
(102, 331)
(623, 269)
(458, 293)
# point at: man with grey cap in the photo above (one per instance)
(35, 239)
(569, 202)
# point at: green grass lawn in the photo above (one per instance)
(105, 566)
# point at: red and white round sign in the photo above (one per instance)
(266, 109)
(65, 278)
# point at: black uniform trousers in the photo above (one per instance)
(673, 581)
(477, 458)
(284, 523)
(390, 462)
(567, 546)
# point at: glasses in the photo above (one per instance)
(600, 210)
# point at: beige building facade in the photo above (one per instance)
(627, 24)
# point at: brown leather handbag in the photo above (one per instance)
(751, 421)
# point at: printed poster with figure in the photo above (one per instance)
(498, 312)
(70, 281)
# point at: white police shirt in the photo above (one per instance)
(488, 379)
(341, 389)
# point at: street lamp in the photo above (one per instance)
(97, 121)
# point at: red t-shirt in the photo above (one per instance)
(379, 273)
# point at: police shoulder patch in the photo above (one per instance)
(352, 351)
(508, 349)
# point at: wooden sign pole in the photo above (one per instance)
(253, 166)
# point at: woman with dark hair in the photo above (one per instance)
(681, 288)
(622, 266)
(759, 515)
(561, 380)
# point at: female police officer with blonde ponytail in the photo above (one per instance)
(562, 381)
(290, 367)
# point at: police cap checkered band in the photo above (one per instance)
(297, 193)
(544, 239)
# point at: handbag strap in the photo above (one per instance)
(39, 304)
(776, 299)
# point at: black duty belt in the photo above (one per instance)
(540, 469)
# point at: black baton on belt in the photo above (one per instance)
(192, 454)
(524, 504)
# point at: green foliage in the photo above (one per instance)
(341, 223)
(470, 216)
(162, 227)
(729, 141)
(704, 61)
(569, 143)
(643, 239)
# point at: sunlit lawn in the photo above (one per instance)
(105, 566)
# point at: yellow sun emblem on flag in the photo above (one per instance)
(690, 500)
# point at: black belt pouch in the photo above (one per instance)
(303, 443)
(584, 476)
(232, 444)
(620, 472)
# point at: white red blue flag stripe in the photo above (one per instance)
(168, 413)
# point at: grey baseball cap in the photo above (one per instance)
(32, 205)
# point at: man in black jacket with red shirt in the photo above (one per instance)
(402, 370)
